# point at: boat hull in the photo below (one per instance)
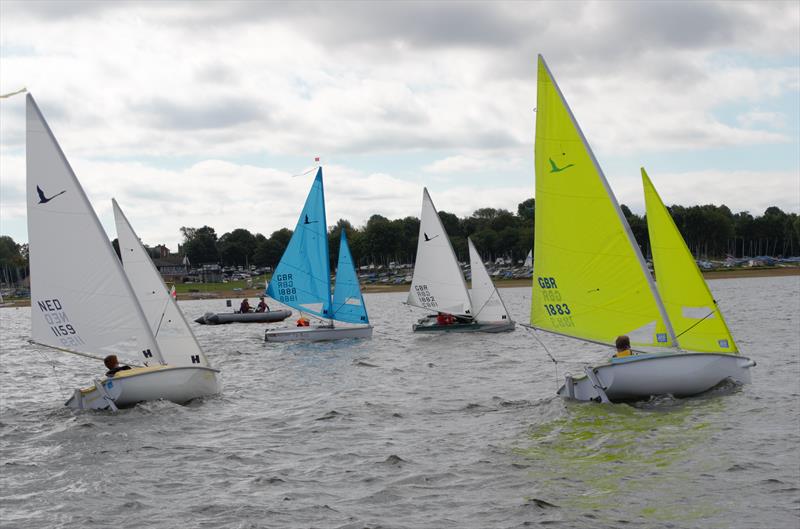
(317, 334)
(178, 384)
(209, 318)
(638, 378)
(429, 325)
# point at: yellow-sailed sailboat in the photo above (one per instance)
(591, 282)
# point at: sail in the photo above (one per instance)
(302, 279)
(438, 283)
(590, 279)
(486, 302)
(529, 260)
(167, 323)
(348, 304)
(692, 310)
(80, 297)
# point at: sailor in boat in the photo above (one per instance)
(262, 305)
(113, 366)
(244, 308)
(302, 321)
(623, 344)
(443, 318)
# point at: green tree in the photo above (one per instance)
(200, 245)
(237, 247)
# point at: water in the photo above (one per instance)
(406, 431)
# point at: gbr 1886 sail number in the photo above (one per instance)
(286, 289)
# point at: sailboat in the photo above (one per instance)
(438, 284)
(84, 302)
(302, 279)
(591, 281)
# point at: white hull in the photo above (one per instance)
(175, 384)
(317, 334)
(637, 378)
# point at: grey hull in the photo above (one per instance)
(209, 318)
(637, 378)
(424, 326)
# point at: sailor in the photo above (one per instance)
(302, 321)
(245, 306)
(444, 319)
(623, 347)
(113, 366)
(262, 305)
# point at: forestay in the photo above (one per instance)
(438, 283)
(167, 323)
(302, 279)
(81, 299)
(348, 303)
(486, 301)
(694, 314)
(590, 279)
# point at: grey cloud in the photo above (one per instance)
(219, 113)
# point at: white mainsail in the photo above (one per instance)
(486, 301)
(438, 283)
(174, 336)
(81, 299)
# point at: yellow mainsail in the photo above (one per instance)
(691, 309)
(590, 280)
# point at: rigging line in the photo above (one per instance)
(303, 174)
(532, 329)
(53, 365)
(698, 322)
(163, 313)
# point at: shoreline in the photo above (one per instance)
(372, 288)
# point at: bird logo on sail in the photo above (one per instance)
(43, 199)
(427, 239)
(306, 221)
(556, 169)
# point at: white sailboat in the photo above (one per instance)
(302, 280)
(438, 284)
(82, 301)
(591, 281)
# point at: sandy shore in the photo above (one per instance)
(506, 283)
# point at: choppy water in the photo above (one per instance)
(452, 431)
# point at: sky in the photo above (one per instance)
(206, 113)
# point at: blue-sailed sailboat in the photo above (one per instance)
(302, 279)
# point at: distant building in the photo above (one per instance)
(171, 268)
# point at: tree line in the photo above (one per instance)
(710, 232)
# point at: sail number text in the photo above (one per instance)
(425, 297)
(56, 317)
(286, 289)
(559, 312)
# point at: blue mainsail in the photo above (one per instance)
(348, 305)
(302, 279)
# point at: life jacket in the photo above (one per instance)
(302, 322)
(621, 354)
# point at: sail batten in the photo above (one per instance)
(81, 299)
(689, 303)
(590, 280)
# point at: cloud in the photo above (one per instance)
(193, 106)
